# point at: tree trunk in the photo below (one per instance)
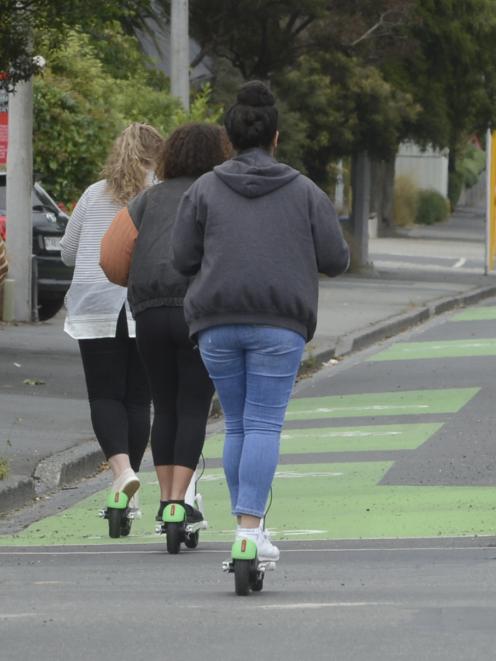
(388, 196)
(382, 193)
(360, 183)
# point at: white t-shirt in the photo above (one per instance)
(93, 303)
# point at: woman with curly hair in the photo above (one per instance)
(99, 318)
(137, 251)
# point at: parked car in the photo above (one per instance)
(53, 277)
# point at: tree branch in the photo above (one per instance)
(199, 57)
(380, 23)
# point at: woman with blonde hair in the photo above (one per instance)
(98, 316)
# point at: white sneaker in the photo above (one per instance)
(266, 550)
(134, 507)
(128, 482)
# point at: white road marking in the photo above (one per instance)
(347, 434)
(421, 267)
(461, 262)
(371, 407)
(293, 474)
(445, 345)
(160, 550)
(326, 604)
(282, 475)
(296, 533)
(12, 616)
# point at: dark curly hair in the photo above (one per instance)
(193, 149)
(252, 120)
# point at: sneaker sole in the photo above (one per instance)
(131, 487)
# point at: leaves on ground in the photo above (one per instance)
(34, 382)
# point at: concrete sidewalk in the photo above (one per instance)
(45, 429)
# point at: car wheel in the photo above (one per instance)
(48, 309)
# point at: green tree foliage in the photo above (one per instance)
(347, 108)
(438, 52)
(21, 20)
(258, 37)
(450, 71)
(84, 99)
(333, 102)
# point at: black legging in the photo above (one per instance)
(180, 385)
(118, 393)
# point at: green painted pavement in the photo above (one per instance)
(342, 439)
(406, 402)
(437, 349)
(323, 501)
(487, 313)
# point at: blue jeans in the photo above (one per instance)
(254, 370)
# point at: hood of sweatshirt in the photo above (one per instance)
(254, 173)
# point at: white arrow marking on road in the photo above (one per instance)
(460, 263)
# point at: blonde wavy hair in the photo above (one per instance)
(133, 155)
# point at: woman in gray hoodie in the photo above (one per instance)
(255, 233)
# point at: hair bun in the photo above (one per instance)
(255, 94)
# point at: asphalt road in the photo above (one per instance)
(387, 478)
(359, 603)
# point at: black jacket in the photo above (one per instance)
(153, 281)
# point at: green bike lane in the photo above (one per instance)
(395, 443)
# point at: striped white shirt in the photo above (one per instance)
(93, 303)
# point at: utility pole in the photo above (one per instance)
(19, 190)
(180, 51)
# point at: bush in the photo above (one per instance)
(404, 201)
(432, 207)
(80, 108)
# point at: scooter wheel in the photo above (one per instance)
(191, 541)
(257, 585)
(126, 524)
(114, 517)
(242, 575)
(173, 537)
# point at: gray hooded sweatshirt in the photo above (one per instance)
(256, 233)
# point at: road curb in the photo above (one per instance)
(383, 330)
(470, 297)
(15, 492)
(83, 460)
(54, 472)
(68, 466)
